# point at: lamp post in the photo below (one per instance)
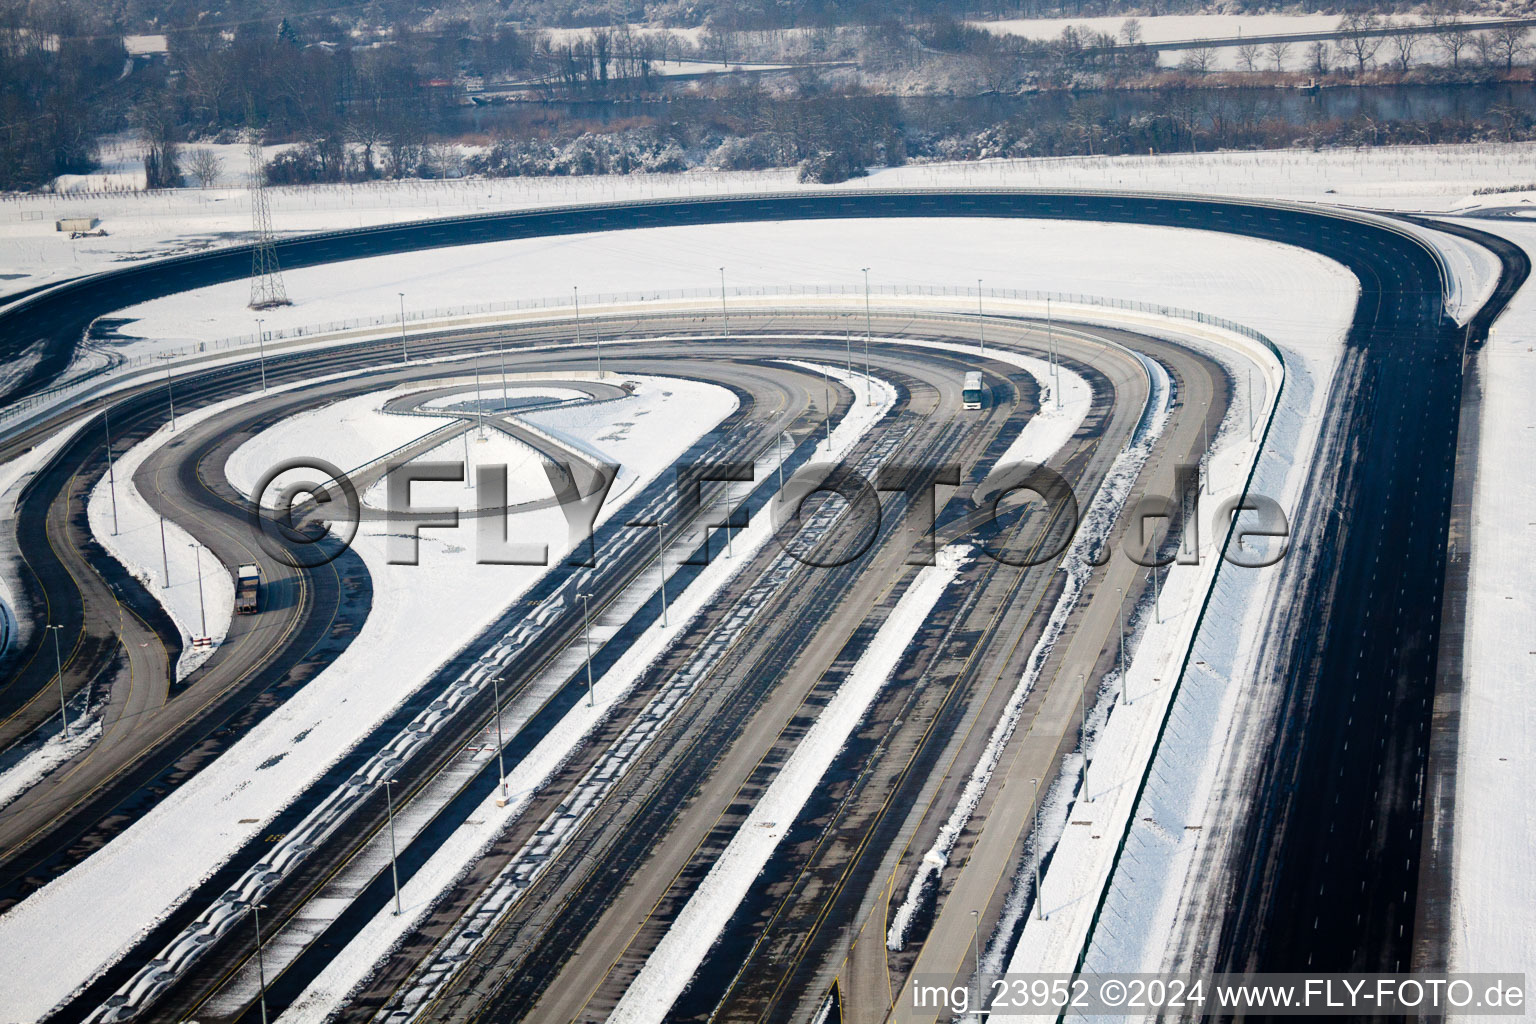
(197, 554)
(1082, 711)
(170, 392)
(1039, 894)
(586, 618)
(981, 325)
(1050, 340)
(261, 967)
(661, 562)
(976, 944)
(503, 354)
(826, 382)
(261, 351)
(469, 477)
(106, 420)
(165, 558)
(394, 872)
(848, 351)
(479, 401)
(405, 353)
(723, 314)
(1124, 668)
(1250, 405)
(59, 661)
(868, 330)
(783, 436)
(501, 768)
(730, 517)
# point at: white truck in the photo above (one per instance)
(247, 588)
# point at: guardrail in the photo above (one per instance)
(129, 366)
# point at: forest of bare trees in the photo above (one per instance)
(380, 91)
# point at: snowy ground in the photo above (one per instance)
(142, 225)
(1170, 28)
(1495, 822)
(1241, 279)
(59, 937)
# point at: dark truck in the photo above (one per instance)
(247, 586)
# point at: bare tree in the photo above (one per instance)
(1452, 34)
(1317, 56)
(205, 166)
(1508, 44)
(1359, 38)
(1130, 31)
(1201, 59)
(1279, 51)
(1248, 56)
(1403, 46)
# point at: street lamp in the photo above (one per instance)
(59, 660)
(501, 768)
(586, 618)
(197, 554)
(661, 562)
(1082, 713)
(976, 944)
(1124, 668)
(165, 557)
(981, 325)
(723, 314)
(479, 401)
(1039, 895)
(389, 800)
(170, 393)
(261, 967)
(261, 350)
(106, 420)
(783, 436)
(405, 353)
(868, 330)
(1050, 341)
(826, 381)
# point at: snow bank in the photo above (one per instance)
(1493, 887)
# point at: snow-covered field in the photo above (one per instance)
(1169, 28)
(142, 225)
(1241, 279)
(1495, 820)
(60, 936)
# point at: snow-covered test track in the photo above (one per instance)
(1308, 344)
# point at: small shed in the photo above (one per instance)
(76, 224)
